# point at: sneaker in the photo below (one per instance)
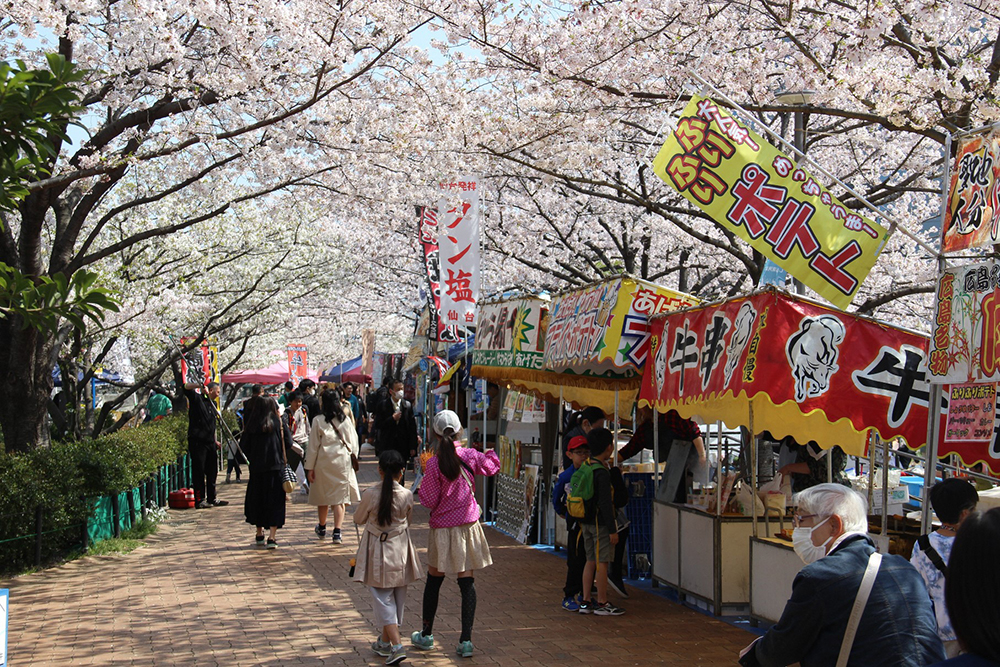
(229, 478)
(259, 540)
(203, 505)
(337, 537)
(586, 606)
(396, 655)
(382, 648)
(321, 533)
(421, 642)
(618, 585)
(272, 544)
(464, 649)
(607, 609)
(218, 503)
(570, 604)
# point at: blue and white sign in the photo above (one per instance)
(772, 274)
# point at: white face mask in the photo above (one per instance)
(803, 544)
(398, 395)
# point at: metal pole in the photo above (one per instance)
(557, 459)
(885, 489)
(719, 471)
(753, 474)
(616, 427)
(656, 448)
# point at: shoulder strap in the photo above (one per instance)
(932, 555)
(867, 582)
(470, 478)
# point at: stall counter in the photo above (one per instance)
(704, 556)
(773, 566)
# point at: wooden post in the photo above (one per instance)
(38, 535)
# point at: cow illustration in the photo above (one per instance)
(812, 354)
(741, 336)
(660, 363)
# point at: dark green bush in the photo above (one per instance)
(64, 480)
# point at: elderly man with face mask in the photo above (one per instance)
(894, 626)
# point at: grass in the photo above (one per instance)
(130, 540)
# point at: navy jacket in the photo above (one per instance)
(897, 627)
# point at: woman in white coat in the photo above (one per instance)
(333, 440)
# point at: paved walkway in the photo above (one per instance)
(201, 594)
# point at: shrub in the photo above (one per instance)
(64, 480)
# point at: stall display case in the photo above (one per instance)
(704, 556)
(773, 566)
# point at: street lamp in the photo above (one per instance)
(798, 99)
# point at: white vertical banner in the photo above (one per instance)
(458, 242)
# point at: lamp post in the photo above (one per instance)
(800, 99)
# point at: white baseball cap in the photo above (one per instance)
(446, 419)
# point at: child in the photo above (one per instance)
(457, 543)
(386, 560)
(953, 500)
(599, 528)
(578, 452)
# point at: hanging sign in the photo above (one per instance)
(458, 241)
(971, 413)
(755, 191)
(298, 357)
(428, 228)
(965, 345)
(971, 218)
(603, 329)
(801, 369)
(510, 339)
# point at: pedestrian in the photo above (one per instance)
(620, 495)
(457, 543)
(158, 406)
(576, 556)
(264, 438)
(203, 446)
(357, 408)
(397, 425)
(386, 561)
(309, 399)
(896, 626)
(973, 589)
(234, 457)
(332, 482)
(286, 395)
(953, 500)
(298, 424)
(580, 423)
(599, 527)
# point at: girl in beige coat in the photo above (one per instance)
(386, 561)
(332, 482)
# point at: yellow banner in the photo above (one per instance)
(755, 191)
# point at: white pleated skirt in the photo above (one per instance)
(459, 548)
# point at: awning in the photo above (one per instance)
(276, 373)
(348, 371)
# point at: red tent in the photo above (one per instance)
(276, 373)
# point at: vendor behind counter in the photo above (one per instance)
(671, 427)
(809, 466)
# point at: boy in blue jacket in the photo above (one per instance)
(578, 452)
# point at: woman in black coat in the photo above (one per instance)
(261, 440)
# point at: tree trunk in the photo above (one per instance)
(26, 366)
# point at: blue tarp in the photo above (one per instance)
(350, 370)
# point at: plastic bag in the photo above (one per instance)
(746, 500)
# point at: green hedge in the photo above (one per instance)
(66, 478)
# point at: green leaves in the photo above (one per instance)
(36, 108)
(43, 303)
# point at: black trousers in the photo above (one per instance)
(617, 569)
(204, 469)
(576, 559)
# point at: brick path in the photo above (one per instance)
(201, 594)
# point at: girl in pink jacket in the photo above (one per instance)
(457, 541)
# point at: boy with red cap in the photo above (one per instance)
(576, 558)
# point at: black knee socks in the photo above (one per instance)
(431, 592)
(468, 588)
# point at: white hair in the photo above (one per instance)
(830, 499)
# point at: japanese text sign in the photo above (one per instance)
(971, 217)
(603, 329)
(510, 338)
(428, 229)
(755, 191)
(965, 343)
(801, 369)
(298, 358)
(458, 241)
(971, 429)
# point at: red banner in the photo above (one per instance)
(298, 358)
(428, 226)
(792, 367)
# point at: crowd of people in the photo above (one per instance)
(850, 605)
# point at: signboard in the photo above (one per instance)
(755, 191)
(526, 408)
(298, 357)
(971, 413)
(801, 369)
(603, 330)
(510, 339)
(200, 365)
(458, 242)
(971, 216)
(965, 345)
(367, 351)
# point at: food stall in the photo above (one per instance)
(785, 364)
(588, 347)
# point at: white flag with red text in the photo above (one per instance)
(458, 243)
